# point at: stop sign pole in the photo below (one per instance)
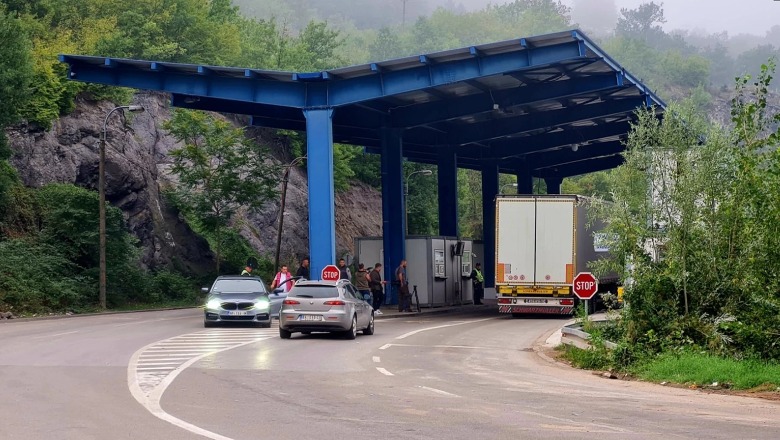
(585, 286)
(330, 273)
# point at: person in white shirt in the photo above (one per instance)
(280, 278)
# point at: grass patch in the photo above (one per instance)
(591, 359)
(703, 369)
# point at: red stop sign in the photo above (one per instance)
(585, 285)
(330, 273)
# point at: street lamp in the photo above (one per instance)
(102, 206)
(286, 177)
(514, 185)
(425, 172)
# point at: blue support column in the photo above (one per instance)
(553, 185)
(322, 212)
(448, 192)
(525, 181)
(489, 192)
(393, 228)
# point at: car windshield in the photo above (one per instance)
(314, 292)
(239, 286)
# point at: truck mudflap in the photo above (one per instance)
(555, 310)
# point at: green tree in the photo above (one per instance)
(643, 23)
(219, 171)
(15, 78)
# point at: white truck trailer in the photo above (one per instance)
(542, 242)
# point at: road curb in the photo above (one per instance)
(78, 315)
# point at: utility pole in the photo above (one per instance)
(285, 179)
(102, 198)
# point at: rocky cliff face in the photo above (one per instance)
(137, 171)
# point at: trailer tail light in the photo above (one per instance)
(504, 301)
(290, 302)
(567, 302)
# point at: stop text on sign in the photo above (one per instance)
(585, 286)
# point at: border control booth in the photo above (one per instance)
(439, 266)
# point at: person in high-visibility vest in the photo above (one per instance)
(247, 271)
(478, 281)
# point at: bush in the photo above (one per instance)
(173, 286)
(37, 278)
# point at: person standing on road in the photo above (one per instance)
(375, 283)
(303, 270)
(247, 271)
(478, 282)
(402, 281)
(280, 278)
(361, 282)
(346, 274)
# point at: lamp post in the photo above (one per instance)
(425, 172)
(514, 185)
(102, 192)
(285, 179)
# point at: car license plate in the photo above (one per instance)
(536, 301)
(310, 318)
(237, 313)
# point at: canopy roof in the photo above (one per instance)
(555, 105)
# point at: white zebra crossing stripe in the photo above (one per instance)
(154, 367)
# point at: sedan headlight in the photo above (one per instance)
(213, 304)
(262, 304)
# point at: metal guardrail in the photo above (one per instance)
(573, 335)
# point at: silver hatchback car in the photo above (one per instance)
(325, 306)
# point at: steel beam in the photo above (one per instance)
(448, 192)
(431, 73)
(393, 227)
(489, 193)
(322, 214)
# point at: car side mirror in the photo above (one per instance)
(278, 290)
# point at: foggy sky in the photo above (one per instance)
(735, 16)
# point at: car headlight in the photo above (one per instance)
(262, 304)
(213, 304)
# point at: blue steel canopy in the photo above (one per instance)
(531, 101)
(549, 106)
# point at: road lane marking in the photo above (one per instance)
(147, 379)
(383, 371)
(375, 359)
(438, 391)
(414, 332)
(467, 347)
(56, 334)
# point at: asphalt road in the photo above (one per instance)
(161, 375)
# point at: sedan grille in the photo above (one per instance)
(238, 306)
(238, 318)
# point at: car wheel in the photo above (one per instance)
(352, 332)
(284, 334)
(209, 324)
(370, 329)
